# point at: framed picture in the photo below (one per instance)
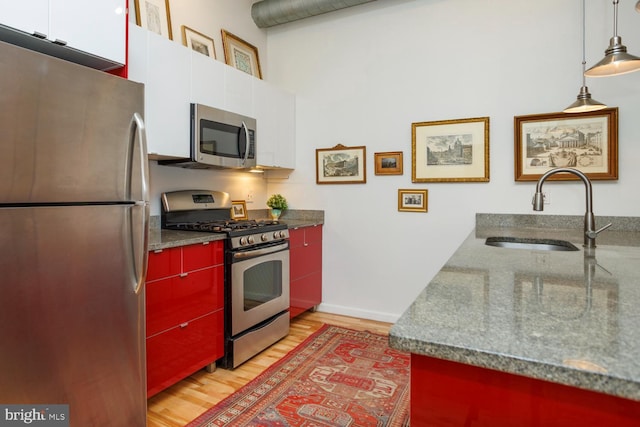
(154, 16)
(239, 209)
(240, 54)
(341, 165)
(450, 151)
(584, 141)
(198, 42)
(412, 200)
(389, 163)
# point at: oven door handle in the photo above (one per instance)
(259, 252)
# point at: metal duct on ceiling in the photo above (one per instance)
(267, 13)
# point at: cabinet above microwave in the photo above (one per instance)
(196, 78)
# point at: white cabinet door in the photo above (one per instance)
(165, 69)
(238, 87)
(30, 16)
(96, 27)
(207, 81)
(275, 116)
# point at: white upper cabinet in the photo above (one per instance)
(90, 33)
(176, 76)
(275, 114)
(165, 69)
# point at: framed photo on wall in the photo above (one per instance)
(341, 165)
(241, 54)
(154, 16)
(199, 42)
(239, 210)
(412, 200)
(450, 150)
(584, 141)
(389, 163)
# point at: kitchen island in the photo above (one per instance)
(504, 337)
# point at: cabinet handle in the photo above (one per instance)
(184, 275)
(157, 251)
(205, 243)
(305, 244)
(184, 325)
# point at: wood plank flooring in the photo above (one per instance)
(184, 401)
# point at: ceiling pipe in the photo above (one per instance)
(268, 13)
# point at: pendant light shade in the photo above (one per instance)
(616, 61)
(584, 101)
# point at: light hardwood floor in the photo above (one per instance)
(184, 401)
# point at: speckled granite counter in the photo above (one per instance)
(566, 317)
(163, 239)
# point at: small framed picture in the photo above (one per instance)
(412, 200)
(341, 165)
(585, 141)
(154, 16)
(240, 54)
(389, 163)
(198, 42)
(450, 150)
(239, 209)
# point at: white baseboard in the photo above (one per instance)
(362, 314)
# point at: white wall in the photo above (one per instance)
(364, 74)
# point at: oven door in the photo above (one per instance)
(259, 285)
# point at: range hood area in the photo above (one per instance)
(269, 13)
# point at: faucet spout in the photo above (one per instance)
(590, 232)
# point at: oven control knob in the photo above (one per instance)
(243, 241)
(251, 240)
(264, 237)
(283, 234)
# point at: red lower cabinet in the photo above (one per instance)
(445, 393)
(306, 268)
(184, 312)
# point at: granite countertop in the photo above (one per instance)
(567, 317)
(163, 239)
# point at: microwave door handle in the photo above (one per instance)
(246, 143)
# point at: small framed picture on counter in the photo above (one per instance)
(412, 200)
(239, 210)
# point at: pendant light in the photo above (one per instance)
(584, 101)
(616, 60)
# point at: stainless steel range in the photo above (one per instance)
(256, 269)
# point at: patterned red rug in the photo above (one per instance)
(336, 377)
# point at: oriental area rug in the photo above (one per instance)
(336, 377)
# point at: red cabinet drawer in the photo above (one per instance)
(164, 263)
(178, 352)
(178, 299)
(195, 257)
(305, 293)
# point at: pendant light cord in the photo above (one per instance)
(584, 60)
(615, 18)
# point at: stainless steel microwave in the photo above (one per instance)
(219, 139)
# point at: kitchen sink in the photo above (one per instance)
(530, 243)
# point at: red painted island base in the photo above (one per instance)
(445, 393)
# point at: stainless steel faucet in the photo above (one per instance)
(590, 232)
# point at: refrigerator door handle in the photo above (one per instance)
(138, 129)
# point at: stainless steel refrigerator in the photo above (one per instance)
(74, 218)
